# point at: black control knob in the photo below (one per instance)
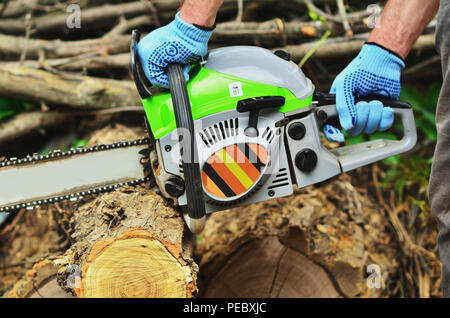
(175, 186)
(283, 54)
(306, 160)
(297, 131)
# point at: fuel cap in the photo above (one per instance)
(306, 160)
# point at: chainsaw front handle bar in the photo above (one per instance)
(196, 211)
(354, 156)
(138, 74)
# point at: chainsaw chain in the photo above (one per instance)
(72, 152)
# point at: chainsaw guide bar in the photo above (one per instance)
(116, 174)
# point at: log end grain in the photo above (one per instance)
(136, 264)
(266, 268)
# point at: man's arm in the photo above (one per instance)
(401, 23)
(200, 12)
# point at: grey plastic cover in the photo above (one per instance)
(260, 65)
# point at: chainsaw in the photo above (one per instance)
(244, 129)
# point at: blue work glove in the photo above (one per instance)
(177, 42)
(374, 71)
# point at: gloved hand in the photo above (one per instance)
(374, 71)
(177, 42)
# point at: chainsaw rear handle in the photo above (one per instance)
(354, 156)
(188, 147)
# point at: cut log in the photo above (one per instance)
(316, 243)
(130, 243)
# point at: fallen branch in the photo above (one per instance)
(66, 89)
(11, 46)
(25, 123)
(432, 63)
(96, 17)
(331, 48)
(343, 47)
(266, 32)
(125, 25)
(343, 15)
(14, 9)
(4, 7)
(88, 62)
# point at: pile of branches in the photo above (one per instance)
(75, 54)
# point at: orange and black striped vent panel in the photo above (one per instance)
(233, 170)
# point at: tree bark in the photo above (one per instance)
(66, 89)
(12, 46)
(25, 123)
(39, 282)
(130, 244)
(100, 64)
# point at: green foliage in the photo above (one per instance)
(316, 17)
(75, 144)
(79, 143)
(411, 175)
(199, 238)
(10, 107)
(409, 172)
(314, 48)
(424, 106)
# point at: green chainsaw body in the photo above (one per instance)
(209, 93)
(246, 128)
